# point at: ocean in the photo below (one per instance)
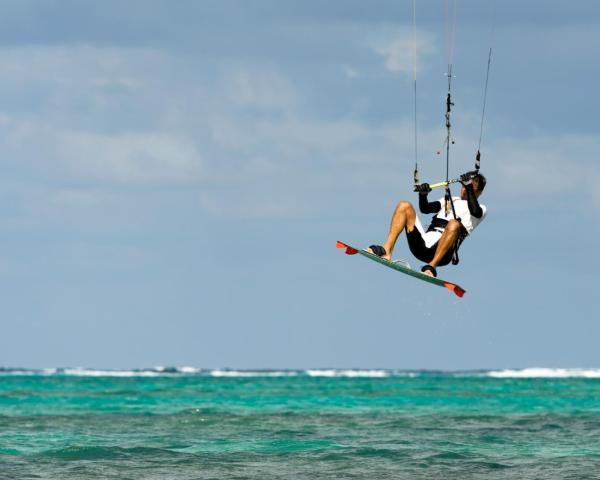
(188, 423)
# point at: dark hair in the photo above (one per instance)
(481, 181)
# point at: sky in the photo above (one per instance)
(174, 177)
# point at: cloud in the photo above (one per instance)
(398, 50)
(64, 73)
(350, 72)
(241, 134)
(158, 157)
(258, 87)
(79, 198)
(99, 114)
(546, 166)
(153, 157)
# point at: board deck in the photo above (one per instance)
(401, 268)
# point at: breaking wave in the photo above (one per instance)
(313, 372)
(349, 373)
(253, 373)
(546, 373)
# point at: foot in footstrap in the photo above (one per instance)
(429, 268)
(378, 250)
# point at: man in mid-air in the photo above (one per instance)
(454, 221)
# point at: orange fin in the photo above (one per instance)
(455, 288)
(349, 249)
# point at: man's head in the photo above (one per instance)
(479, 182)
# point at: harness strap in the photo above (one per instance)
(438, 224)
(461, 237)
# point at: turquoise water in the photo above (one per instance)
(190, 424)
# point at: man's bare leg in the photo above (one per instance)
(446, 242)
(404, 217)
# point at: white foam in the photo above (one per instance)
(84, 372)
(189, 370)
(250, 373)
(18, 372)
(316, 372)
(546, 373)
(150, 372)
(173, 370)
(348, 373)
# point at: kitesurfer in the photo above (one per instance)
(455, 219)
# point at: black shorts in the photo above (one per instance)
(417, 247)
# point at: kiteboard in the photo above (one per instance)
(404, 269)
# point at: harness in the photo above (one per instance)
(439, 224)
